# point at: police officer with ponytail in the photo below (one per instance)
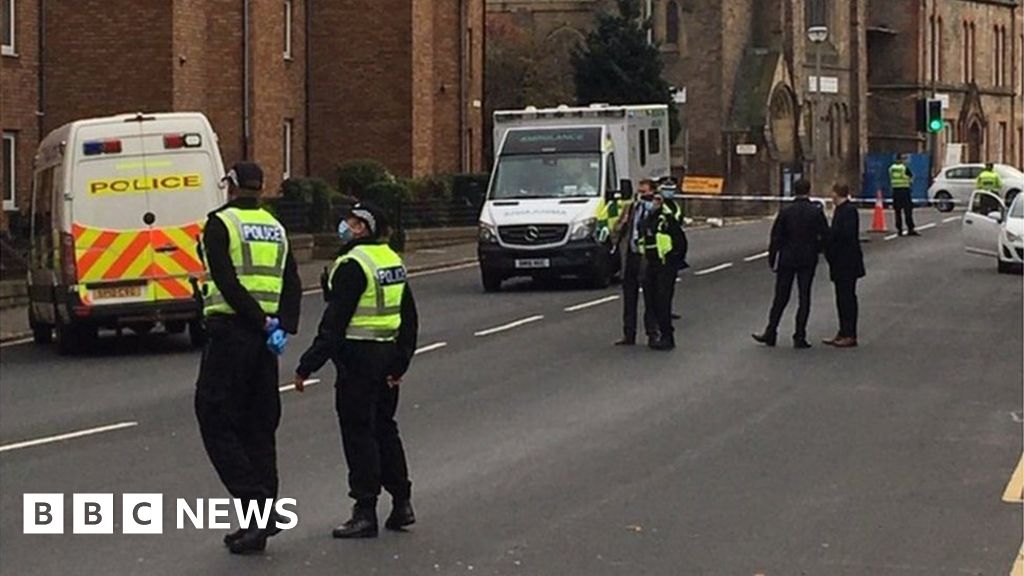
(369, 330)
(251, 303)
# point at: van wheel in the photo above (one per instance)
(142, 328)
(73, 338)
(943, 201)
(601, 275)
(41, 333)
(491, 280)
(175, 327)
(197, 333)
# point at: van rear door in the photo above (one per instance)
(184, 172)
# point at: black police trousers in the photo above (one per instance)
(239, 407)
(903, 208)
(631, 281)
(366, 408)
(659, 290)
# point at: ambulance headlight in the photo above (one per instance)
(583, 229)
(488, 233)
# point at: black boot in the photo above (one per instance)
(663, 344)
(252, 540)
(362, 524)
(401, 515)
(801, 343)
(272, 530)
(768, 339)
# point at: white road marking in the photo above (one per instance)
(890, 237)
(592, 303)
(509, 326)
(290, 387)
(67, 436)
(452, 268)
(17, 342)
(430, 348)
(756, 256)
(713, 269)
(927, 226)
(951, 219)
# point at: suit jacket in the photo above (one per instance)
(845, 258)
(800, 232)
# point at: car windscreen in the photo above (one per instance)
(1017, 208)
(547, 176)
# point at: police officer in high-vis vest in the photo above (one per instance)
(369, 330)
(251, 301)
(989, 180)
(661, 241)
(900, 179)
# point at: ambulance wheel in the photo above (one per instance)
(175, 327)
(491, 280)
(197, 333)
(73, 338)
(601, 275)
(41, 333)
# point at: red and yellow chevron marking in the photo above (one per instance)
(167, 257)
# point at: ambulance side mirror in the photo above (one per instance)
(625, 190)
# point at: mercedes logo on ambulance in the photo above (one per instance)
(533, 233)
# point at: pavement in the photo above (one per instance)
(538, 448)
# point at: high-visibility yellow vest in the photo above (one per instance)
(258, 247)
(662, 244)
(898, 176)
(378, 315)
(989, 180)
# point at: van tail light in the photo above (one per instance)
(68, 268)
(176, 141)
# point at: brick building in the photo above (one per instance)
(967, 52)
(393, 80)
(747, 68)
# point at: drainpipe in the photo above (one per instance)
(40, 69)
(464, 50)
(308, 10)
(245, 80)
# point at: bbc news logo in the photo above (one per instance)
(144, 513)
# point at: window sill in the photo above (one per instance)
(289, 58)
(9, 206)
(9, 53)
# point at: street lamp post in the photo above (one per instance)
(817, 35)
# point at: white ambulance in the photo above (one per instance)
(118, 206)
(561, 178)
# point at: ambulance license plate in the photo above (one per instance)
(532, 263)
(117, 293)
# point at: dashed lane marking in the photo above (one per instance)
(891, 237)
(290, 387)
(756, 257)
(430, 348)
(714, 269)
(592, 303)
(509, 326)
(68, 436)
(927, 226)
(950, 219)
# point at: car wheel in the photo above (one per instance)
(41, 333)
(943, 201)
(491, 280)
(1004, 267)
(1010, 195)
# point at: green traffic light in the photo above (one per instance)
(935, 125)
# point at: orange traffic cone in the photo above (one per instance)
(878, 221)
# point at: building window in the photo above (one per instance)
(1004, 144)
(287, 29)
(997, 56)
(965, 67)
(10, 176)
(286, 145)
(672, 23)
(1004, 57)
(816, 12)
(7, 7)
(933, 61)
(974, 52)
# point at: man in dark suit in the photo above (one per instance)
(628, 238)
(800, 232)
(846, 265)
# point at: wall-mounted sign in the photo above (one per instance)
(746, 149)
(829, 84)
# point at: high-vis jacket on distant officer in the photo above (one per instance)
(369, 331)
(250, 301)
(989, 180)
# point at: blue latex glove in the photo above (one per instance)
(277, 341)
(271, 324)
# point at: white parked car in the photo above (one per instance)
(957, 182)
(989, 229)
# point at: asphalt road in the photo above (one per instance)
(541, 449)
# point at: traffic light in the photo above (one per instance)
(935, 121)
